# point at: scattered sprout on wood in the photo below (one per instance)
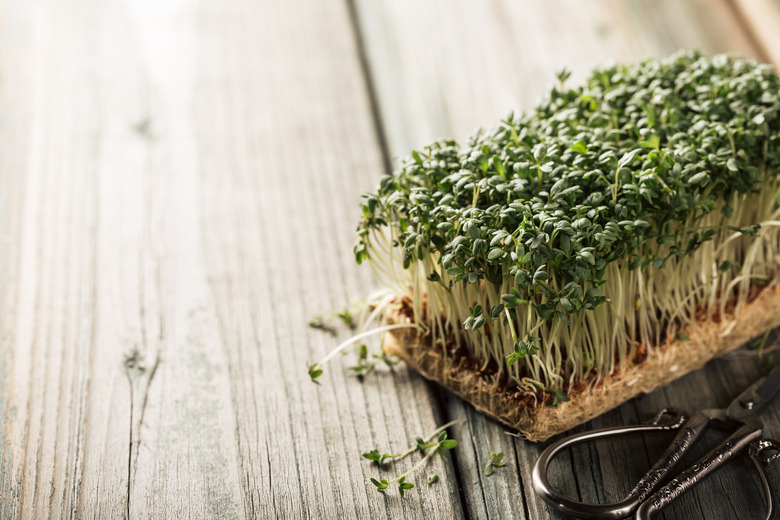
(427, 445)
(367, 364)
(441, 445)
(319, 321)
(433, 479)
(315, 369)
(557, 243)
(314, 372)
(349, 316)
(495, 460)
(376, 305)
(421, 444)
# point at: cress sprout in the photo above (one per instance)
(565, 242)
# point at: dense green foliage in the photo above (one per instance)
(622, 169)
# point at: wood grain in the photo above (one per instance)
(762, 18)
(284, 158)
(179, 183)
(456, 66)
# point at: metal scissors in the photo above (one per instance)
(741, 417)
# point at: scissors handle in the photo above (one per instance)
(711, 462)
(762, 453)
(690, 431)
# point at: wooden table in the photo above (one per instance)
(180, 189)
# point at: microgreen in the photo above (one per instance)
(348, 316)
(314, 372)
(495, 460)
(421, 444)
(432, 479)
(556, 242)
(366, 364)
(315, 369)
(319, 321)
(427, 445)
(357, 318)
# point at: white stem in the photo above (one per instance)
(355, 339)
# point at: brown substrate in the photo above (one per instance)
(663, 364)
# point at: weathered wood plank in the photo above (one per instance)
(179, 186)
(441, 69)
(762, 18)
(51, 357)
(450, 67)
(105, 314)
(284, 159)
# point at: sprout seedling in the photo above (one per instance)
(426, 445)
(561, 243)
(495, 460)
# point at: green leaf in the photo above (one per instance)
(496, 253)
(403, 485)
(498, 165)
(701, 177)
(558, 396)
(372, 455)
(480, 246)
(468, 323)
(495, 460)
(498, 458)
(579, 147)
(381, 485)
(473, 229)
(652, 141)
(315, 372)
(449, 444)
(513, 358)
(594, 292)
(541, 275)
(627, 159)
(319, 322)
(416, 157)
(482, 163)
(750, 231)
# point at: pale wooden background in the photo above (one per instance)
(181, 179)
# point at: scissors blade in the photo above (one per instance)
(767, 389)
(755, 399)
